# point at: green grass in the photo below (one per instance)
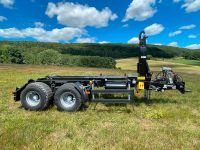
(185, 61)
(176, 64)
(171, 121)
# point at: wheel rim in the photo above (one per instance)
(68, 100)
(33, 98)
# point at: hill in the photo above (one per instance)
(104, 50)
(83, 54)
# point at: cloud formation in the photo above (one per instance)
(192, 36)
(77, 15)
(86, 40)
(151, 30)
(173, 44)
(39, 24)
(176, 1)
(158, 44)
(40, 34)
(133, 40)
(104, 42)
(125, 26)
(193, 46)
(7, 3)
(140, 10)
(188, 27)
(171, 34)
(191, 5)
(2, 18)
(154, 29)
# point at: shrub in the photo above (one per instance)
(193, 55)
(4, 55)
(88, 61)
(49, 57)
(31, 58)
(11, 54)
(149, 57)
(16, 55)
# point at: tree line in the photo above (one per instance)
(94, 55)
(9, 54)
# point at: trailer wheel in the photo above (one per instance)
(36, 96)
(67, 98)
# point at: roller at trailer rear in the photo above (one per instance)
(70, 93)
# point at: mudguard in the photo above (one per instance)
(18, 90)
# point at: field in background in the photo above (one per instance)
(178, 65)
(171, 121)
(184, 61)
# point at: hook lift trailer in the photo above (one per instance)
(70, 93)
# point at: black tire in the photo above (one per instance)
(67, 90)
(43, 93)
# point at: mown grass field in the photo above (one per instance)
(186, 62)
(170, 121)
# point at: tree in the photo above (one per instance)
(16, 55)
(49, 57)
(4, 54)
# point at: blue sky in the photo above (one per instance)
(167, 22)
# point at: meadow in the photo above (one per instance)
(170, 121)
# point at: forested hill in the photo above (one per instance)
(84, 55)
(103, 50)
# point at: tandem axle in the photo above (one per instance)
(69, 93)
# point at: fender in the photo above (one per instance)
(18, 90)
(82, 91)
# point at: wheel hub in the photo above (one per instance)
(67, 100)
(33, 98)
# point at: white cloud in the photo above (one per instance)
(192, 36)
(157, 44)
(176, 1)
(55, 35)
(134, 40)
(193, 46)
(191, 5)
(2, 18)
(171, 34)
(154, 29)
(11, 33)
(39, 24)
(125, 26)
(140, 10)
(104, 42)
(7, 3)
(188, 27)
(173, 44)
(86, 40)
(77, 15)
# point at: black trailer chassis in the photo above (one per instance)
(70, 93)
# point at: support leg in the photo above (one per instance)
(95, 105)
(147, 95)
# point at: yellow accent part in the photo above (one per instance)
(141, 85)
(141, 78)
(91, 82)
